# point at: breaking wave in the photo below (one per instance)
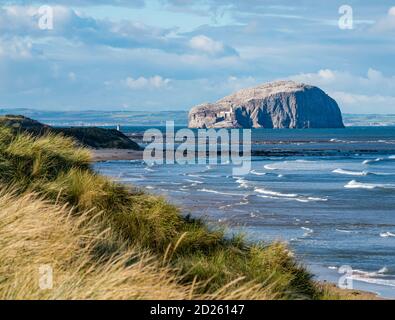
(219, 192)
(274, 193)
(264, 193)
(351, 173)
(254, 172)
(378, 160)
(387, 234)
(369, 186)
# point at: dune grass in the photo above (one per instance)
(36, 234)
(124, 226)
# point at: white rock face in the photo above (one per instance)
(282, 104)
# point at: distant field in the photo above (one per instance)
(102, 118)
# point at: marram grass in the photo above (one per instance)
(106, 241)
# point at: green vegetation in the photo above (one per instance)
(92, 137)
(126, 226)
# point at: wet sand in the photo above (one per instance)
(99, 155)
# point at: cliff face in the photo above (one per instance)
(283, 104)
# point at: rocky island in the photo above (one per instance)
(282, 104)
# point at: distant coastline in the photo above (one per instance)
(143, 118)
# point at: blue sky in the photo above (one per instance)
(173, 54)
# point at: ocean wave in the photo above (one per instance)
(369, 161)
(378, 277)
(242, 183)
(241, 203)
(194, 182)
(264, 193)
(274, 193)
(304, 161)
(361, 141)
(387, 234)
(309, 199)
(351, 173)
(369, 186)
(269, 167)
(345, 231)
(308, 232)
(254, 172)
(130, 179)
(378, 160)
(219, 192)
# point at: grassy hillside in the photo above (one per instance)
(87, 136)
(108, 241)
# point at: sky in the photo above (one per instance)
(173, 54)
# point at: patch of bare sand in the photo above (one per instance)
(99, 155)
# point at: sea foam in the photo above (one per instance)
(264, 193)
(254, 172)
(219, 192)
(351, 173)
(387, 234)
(269, 167)
(369, 186)
(274, 193)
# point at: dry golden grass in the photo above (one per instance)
(36, 233)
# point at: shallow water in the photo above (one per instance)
(334, 208)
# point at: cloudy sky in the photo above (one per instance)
(173, 54)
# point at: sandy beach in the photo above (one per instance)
(99, 155)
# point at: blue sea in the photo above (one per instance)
(328, 193)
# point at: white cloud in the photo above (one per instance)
(206, 44)
(155, 82)
(360, 103)
(387, 23)
(234, 83)
(374, 82)
(16, 48)
(372, 93)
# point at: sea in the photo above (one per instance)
(328, 193)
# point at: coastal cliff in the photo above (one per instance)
(282, 104)
(93, 137)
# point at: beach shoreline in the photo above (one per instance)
(99, 155)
